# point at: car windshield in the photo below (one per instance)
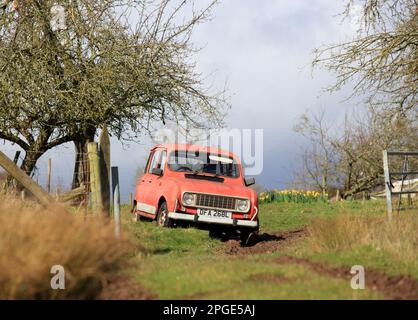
(200, 162)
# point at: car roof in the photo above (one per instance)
(194, 147)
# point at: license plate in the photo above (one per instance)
(213, 213)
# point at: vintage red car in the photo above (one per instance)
(201, 185)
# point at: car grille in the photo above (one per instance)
(215, 201)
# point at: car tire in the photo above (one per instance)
(247, 236)
(162, 217)
(215, 233)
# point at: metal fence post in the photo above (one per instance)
(116, 200)
(48, 181)
(388, 186)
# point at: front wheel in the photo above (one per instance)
(248, 236)
(162, 217)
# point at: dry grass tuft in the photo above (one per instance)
(398, 237)
(32, 240)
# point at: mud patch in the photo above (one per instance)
(392, 287)
(269, 277)
(264, 242)
(124, 288)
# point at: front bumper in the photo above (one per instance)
(202, 219)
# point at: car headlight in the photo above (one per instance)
(243, 205)
(188, 199)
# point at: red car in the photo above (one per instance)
(197, 184)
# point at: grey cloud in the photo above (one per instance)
(264, 49)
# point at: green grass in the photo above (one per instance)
(368, 256)
(185, 263)
(173, 242)
(233, 278)
(285, 216)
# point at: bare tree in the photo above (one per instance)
(362, 144)
(351, 158)
(71, 67)
(382, 60)
(318, 169)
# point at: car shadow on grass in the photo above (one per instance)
(227, 235)
(255, 238)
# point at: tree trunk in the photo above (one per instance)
(29, 161)
(80, 174)
(80, 164)
(29, 164)
(324, 186)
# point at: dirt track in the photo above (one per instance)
(392, 287)
(124, 288)
(264, 243)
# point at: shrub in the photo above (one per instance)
(398, 237)
(32, 240)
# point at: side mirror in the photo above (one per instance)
(249, 181)
(157, 171)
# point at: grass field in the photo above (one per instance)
(303, 251)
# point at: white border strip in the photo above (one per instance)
(145, 208)
(191, 217)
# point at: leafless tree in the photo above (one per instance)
(351, 158)
(382, 60)
(318, 169)
(123, 64)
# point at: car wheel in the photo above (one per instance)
(215, 233)
(247, 237)
(162, 217)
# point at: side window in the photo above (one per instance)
(154, 160)
(163, 160)
(147, 166)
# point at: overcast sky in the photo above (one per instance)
(264, 51)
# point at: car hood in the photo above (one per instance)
(205, 186)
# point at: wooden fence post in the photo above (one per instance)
(116, 200)
(95, 181)
(21, 177)
(104, 153)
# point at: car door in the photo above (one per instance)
(155, 180)
(144, 190)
